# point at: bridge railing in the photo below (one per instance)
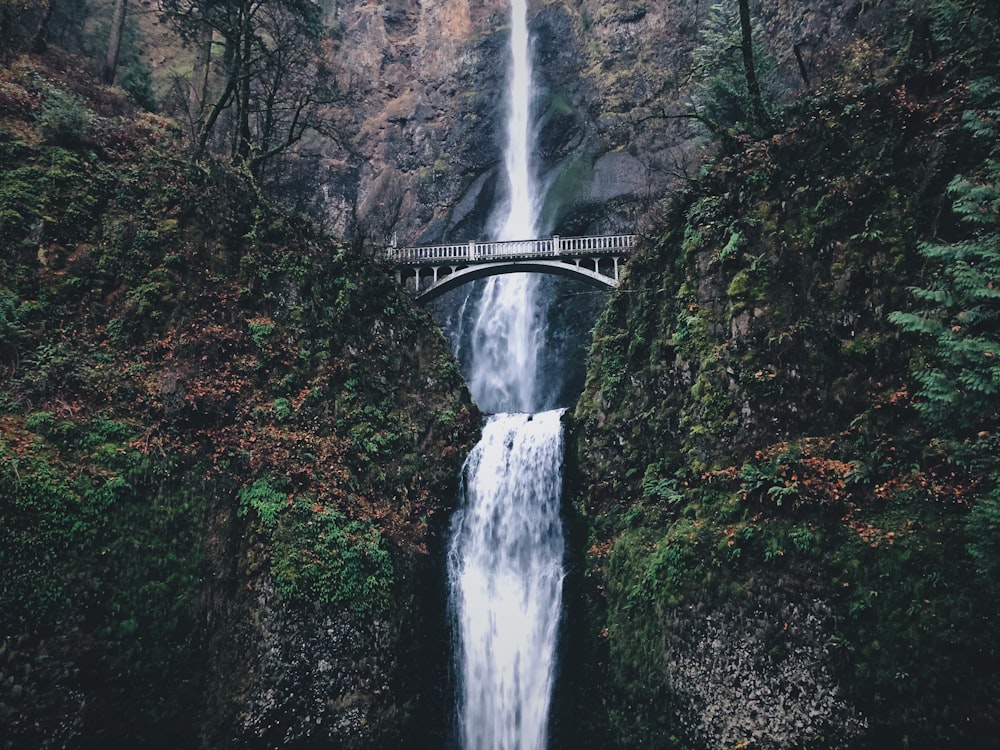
(472, 252)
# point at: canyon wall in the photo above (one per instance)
(615, 85)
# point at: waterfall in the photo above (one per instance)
(506, 569)
(507, 328)
(505, 556)
(520, 218)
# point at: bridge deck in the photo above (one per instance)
(487, 252)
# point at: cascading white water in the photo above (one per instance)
(506, 566)
(507, 328)
(505, 558)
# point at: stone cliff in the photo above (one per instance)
(426, 82)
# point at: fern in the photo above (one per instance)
(959, 321)
(265, 500)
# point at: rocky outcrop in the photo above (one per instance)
(758, 671)
(327, 676)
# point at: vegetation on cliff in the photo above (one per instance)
(225, 438)
(786, 450)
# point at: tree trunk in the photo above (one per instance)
(110, 66)
(757, 113)
(242, 150)
(39, 41)
(220, 104)
(802, 64)
(198, 93)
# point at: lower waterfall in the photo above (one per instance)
(505, 565)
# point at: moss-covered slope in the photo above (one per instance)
(777, 544)
(226, 441)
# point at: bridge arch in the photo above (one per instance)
(455, 277)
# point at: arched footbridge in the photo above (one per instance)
(430, 271)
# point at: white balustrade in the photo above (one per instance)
(472, 252)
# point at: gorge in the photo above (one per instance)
(232, 495)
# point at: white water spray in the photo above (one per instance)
(505, 559)
(506, 571)
(508, 329)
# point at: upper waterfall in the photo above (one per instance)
(508, 328)
(518, 218)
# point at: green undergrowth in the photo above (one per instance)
(103, 548)
(751, 432)
(317, 555)
(199, 394)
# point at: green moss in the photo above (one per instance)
(320, 557)
(82, 514)
(741, 284)
(55, 194)
(559, 105)
(573, 177)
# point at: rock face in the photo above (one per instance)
(758, 671)
(328, 676)
(425, 80)
(426, 83)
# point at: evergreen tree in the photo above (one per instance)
(959, 317)
(960, 383)
(734, 75)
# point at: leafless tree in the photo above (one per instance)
(270, 73)
(109, 67)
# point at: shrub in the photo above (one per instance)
(64, 120)
(260, 330)
(137, 80)
(282, 409)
